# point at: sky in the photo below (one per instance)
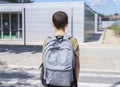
(106, 7)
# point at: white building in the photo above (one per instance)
(30, 23)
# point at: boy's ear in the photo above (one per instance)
(66, 25)
(52, 24)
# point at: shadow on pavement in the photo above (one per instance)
(16, 74)
(20, 49)
(94, 37)
(114, 85)
(16, 78)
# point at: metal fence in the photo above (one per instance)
(106, 24)
(117, 22)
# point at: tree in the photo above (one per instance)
(104, 17)
(116, 14)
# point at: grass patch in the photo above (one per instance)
(116, 29)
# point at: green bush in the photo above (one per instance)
(116, 29)
(112, 27)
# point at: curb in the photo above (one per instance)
(20, 66)
(100, 70)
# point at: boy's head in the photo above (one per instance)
(60, 19)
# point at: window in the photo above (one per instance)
(0, 34)
(20, 25)
(11, 25)
(20, 31)
(6, 22)
(20, 20)
(14, 25)
(0, 26)
(0, 20)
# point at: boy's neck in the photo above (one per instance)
(59, 32)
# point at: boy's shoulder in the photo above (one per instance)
(74, 40)
(75, 45)
(45, 40)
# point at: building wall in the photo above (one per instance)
(78, 23)
(39, 23)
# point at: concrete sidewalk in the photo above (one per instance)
(21, 56)
(94, 56)
(111, 38)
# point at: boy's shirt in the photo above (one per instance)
(75, 46)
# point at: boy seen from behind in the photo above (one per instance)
(60, 55)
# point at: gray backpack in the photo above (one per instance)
(59, 61)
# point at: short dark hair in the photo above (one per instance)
(60, 19)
